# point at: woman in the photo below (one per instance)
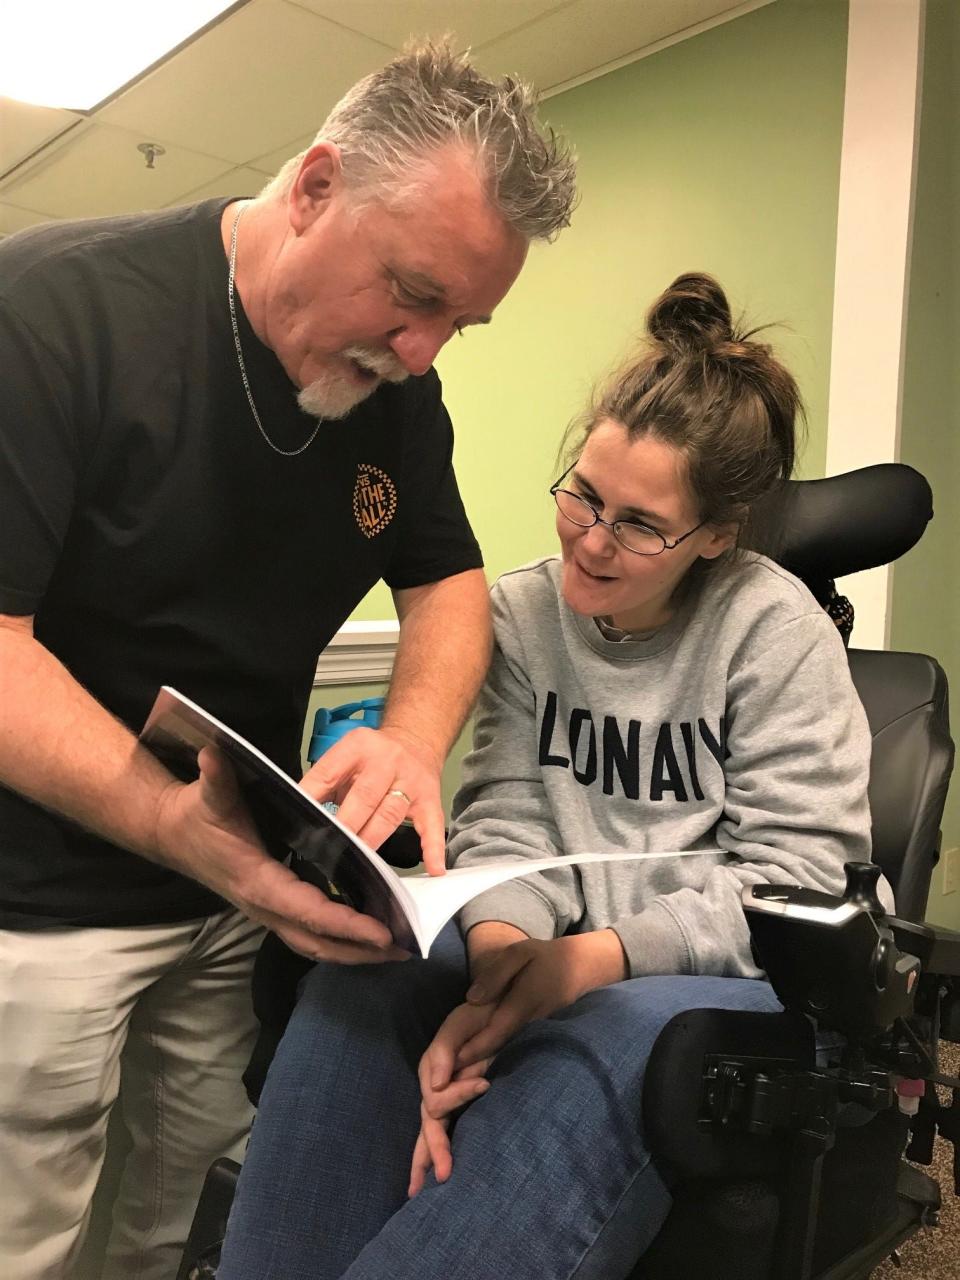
(652, 687)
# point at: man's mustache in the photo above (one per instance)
(383, 363)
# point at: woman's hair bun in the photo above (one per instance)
(692, 314)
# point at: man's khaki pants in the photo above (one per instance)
(162, 1012)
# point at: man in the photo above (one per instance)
(181, 504)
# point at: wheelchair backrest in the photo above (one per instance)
(825, 529)
(905, 698)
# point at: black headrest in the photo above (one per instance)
(820, 529)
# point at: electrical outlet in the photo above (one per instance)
(951, 870)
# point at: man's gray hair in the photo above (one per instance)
(390, 124)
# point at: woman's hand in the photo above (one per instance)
(444, 1090)
(524, 981)
(532, 979)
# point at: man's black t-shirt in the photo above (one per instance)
(159, 540)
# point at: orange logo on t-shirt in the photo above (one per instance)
(374, 500)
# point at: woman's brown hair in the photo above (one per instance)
(705, 386)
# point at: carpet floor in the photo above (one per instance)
(934, 1254)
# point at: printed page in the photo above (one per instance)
(438, 898)
(286, 817)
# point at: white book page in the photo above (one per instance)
(437, 898)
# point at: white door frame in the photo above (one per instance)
(881, 119)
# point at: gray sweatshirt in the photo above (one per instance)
(734, 729)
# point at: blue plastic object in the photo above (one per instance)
(331, 723)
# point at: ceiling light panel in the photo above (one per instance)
(277, 68)
(58, 53)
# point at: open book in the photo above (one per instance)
(413, 906)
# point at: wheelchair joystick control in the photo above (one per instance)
(861, 886)
(835, 958)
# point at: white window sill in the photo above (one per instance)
(360, 653)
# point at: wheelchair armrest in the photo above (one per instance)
(210, 1220)
(936, 947)
(939, 951)
(682, 1145)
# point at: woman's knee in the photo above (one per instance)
(615, 1028)
(650, 1002)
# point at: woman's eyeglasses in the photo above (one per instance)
(636, 537)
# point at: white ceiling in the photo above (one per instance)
(232, 105)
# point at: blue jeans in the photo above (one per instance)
(550, 1174)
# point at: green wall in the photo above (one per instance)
(926, 599)
(722, 153)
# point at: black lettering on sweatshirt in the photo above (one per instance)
(718, 748)
(622, 759)
(690, 750)
(578, 718)
(626, 760)
(546, 734)
(665, 773)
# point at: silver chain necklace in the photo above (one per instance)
(287, 453)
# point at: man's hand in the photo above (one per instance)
(378, 777)
(206, 832)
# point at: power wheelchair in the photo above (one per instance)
(786, 1163)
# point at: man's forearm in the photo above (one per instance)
(442, 657)
(62, 749)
